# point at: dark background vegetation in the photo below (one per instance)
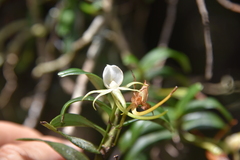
(141, 22)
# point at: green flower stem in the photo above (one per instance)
(108, 143)
(109, 126)
(113, 121)
(119, 128)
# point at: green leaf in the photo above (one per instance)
(94, 79)
(130, 60)
(164, 120)
(208, 103)
(131, 135)
(65, 23)
(145, 141)
(191, 92)
(102, 105)
(151, 65)
(67, 152)
(165, 72)
(153, 59)
(88, 146)
(203, 142)
(92, 8)
(67, 17)
(126, 123)
(137, 129)
(179, 94)
(201, 120)
(75, 120)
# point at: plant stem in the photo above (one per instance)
(119, 128)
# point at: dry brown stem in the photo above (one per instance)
(207, 38)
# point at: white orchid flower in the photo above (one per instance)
(112, 79)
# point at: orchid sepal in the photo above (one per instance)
(102, 92)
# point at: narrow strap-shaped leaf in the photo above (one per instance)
(200, 120)
(146, 140)
(160, 54)
(75, 120)
(88, 146)
(139, 128)
(208, 103)
(94, 79)
(67, 152)
(164, 123)
(203, 142)
(191, 92)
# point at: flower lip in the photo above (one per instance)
(112, 76)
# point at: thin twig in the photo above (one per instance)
(168, 23)
(33, 7)
(117, 35)
(11, 79)
(167, 32)
(10, 64)
(39, 97)
(38, 102)
(11, 29)
(230, 5)
(207, 38)
(65, 59)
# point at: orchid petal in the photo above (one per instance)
(101, 94)
(92, 92)
(112, 76)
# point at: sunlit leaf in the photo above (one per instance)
(179, 94)
(65, 23)
(75, 120)
(90, 8)
(203, 142)
(94, 79)
(67, 16)
(155, 57)
(88, 146)
(130, 60)
(67, 152)
(151, 65)
(201, 120)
